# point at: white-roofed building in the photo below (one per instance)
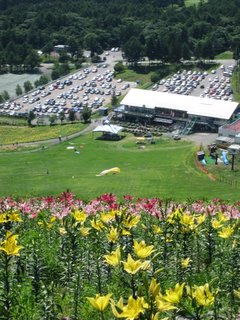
(161, 107)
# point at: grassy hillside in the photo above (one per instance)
(164, 170)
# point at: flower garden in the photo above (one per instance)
(62, 258)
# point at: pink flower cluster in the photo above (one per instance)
(62, 205)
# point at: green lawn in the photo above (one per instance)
(164, 170)
(131, 75)
(224, 55)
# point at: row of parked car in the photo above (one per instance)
(185, 82)
(91, 87)
(182, 82)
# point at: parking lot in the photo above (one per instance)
(92, 87)
(215, 84)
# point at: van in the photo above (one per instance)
(226, 74)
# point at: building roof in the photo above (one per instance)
(109, 128)
(205, 107)
(224, 139)
(235, 126)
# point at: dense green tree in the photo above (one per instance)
(5, 95)
(92, 43)
(62, 116)
(32, 60)
(73, 46)
(47, 49)
(86, 114)
(19, 90)
(133, 49)
(165, 29)
(64, 57)
(31, 117)
(41, 81)
(52, 119)
(119, 67)
(27, 86)
(71, 115)
(114, 100)
(55, 74)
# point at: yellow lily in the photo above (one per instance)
(157, 229)
(237, 293)
(79, 216)
(126, 232)
(132, 310)
(187, 221)
(3, 217)
(114, 258)
(14, 216)
(113, 235)
(132, 266)
(62, 231)
(202, 295)
(131, 221)
(173, 216)
(9, 245)
(185, 262)
(100, 303)
(174, 295)
(84, 231)
(97, 225)
(142, 250)
(117, 307)
(216, 224)
(107, 217)
(163, 305)
(222, 217)
(154, 288)
(200, 219)
(226, 233)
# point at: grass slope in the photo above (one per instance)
(164, 170)
(12, 134)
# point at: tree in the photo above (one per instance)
(133, 49)
(92, 43)
(86, 114)
(63, 57)
(71, 115)
(73, 46)
(119, 67)
(55, 74)
(5, 95)
(41, 81)
(155, 77)
(18, 90)
(61, 116)
(31, 116)
(27, 86)
(32, 60)
(47, 49)
(114, 100)
(52, 119)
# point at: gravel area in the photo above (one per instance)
(201, 138)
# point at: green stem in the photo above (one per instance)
(102, 316)
(7, 302)
(133, 288)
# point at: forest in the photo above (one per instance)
(165, 30)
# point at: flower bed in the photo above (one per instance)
(62, 258)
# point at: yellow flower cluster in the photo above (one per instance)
(9, 245)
